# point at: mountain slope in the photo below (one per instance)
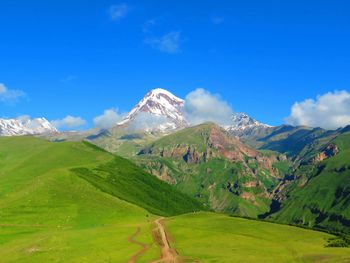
(122, 141)
(64, 202)
(25, 126)
(320, 195)
(216, 168)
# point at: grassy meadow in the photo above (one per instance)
(209, 237)
(48, 212)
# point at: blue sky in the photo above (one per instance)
(82, 57)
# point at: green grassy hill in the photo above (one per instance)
(317, 191)
(290, 140)
(123, 141)
(207, 237)
(67, 202)
(321, 194)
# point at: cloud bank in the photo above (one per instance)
(328, 111)
(108, 119)
(8, 95)
(69, 122)
(202, 106)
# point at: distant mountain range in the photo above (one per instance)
(25, 126)
(158, 111)
(162, 111)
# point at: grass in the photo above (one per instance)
(189, 136)
(122, 142)
(123, 179)
(210, 237)
(324, 201)
(66, 220)
(73, 202)
(49, 213)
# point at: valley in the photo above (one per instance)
(49, 210)
(176, 193)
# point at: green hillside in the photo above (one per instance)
(207, 237)
(123, 141)
(321, 195)
(290, 140)
(56, 203)
(207, 163)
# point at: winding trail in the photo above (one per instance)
(144, 247)
(168, 255)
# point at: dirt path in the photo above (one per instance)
(144, 247)
(169, 255)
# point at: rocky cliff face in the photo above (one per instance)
(329, 151)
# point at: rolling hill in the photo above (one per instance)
(72, 201)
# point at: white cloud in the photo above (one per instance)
(169, 43)
(69, 122)
(149, 122)
(119, 11)
(329, 111)
(217, 20)
(9, 95)
(202, 106)
(108, 119)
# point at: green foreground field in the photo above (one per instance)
(50, 213)
(208, 237)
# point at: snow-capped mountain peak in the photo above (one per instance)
(243, 125)
(163, 107)
(244, 121)
(25, 126)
